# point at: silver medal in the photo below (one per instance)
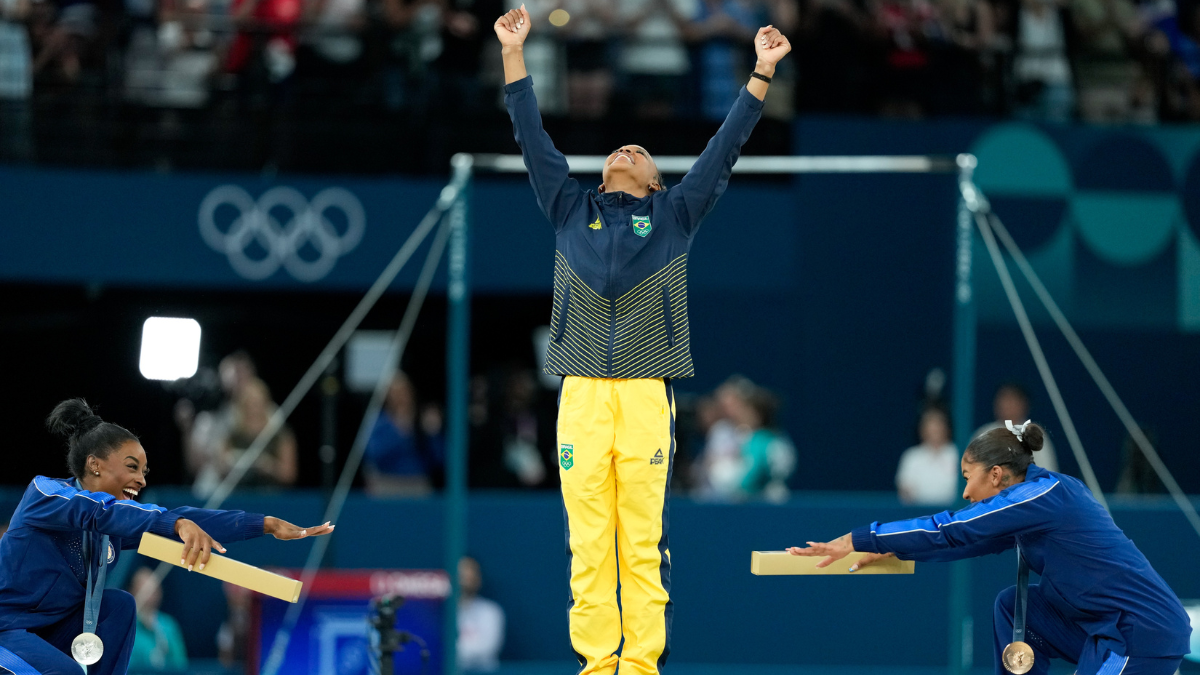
(87, 648)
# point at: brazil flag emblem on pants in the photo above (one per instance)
(566, 456)
(641, 225)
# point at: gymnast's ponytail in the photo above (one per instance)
(87, 435)
(1012, 446)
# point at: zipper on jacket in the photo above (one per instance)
(612, 274)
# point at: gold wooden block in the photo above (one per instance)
(770, 563)
(225, 569)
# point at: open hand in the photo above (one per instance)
(770, 45)
(197, 545)
(282, 529)
(513, 27)
(833, 551)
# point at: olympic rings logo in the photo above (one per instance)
(283, 223)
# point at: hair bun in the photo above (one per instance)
(73, 417)
(1033, 438)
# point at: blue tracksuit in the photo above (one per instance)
(43, 572)
(620, 273)
(1099, 603)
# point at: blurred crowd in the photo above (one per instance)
(1053, 60)
(730, 443)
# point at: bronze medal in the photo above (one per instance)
(1018, 658)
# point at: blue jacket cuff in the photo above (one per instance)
(527, 82)
(254, 525)
(863, 541)
(745, 97)
(164, 526)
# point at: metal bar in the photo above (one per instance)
(779, 164)
(961, 622)
(1039, 357)
(1106, 388)
(458, 354)
(320, 547)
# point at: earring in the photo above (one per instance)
(96, 472)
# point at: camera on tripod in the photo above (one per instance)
(383, 619)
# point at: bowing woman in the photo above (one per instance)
(1100, 605)
(65, 533)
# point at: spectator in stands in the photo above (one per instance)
(907, 28)
(513, 440)
(1108, 77)
(480, 622)
(252, 410)
(413, 33)
(765, 456)
(590, 50)
(464, 28)
(405, 452)
(16, 81)
(173, 66)
(263, 53)
(959, 54)
(158, 643)
(204, 433)
(1041, 62)
(329, 61)
(653, 64)
(545, 57)
(1012, 403)
(929, 472)
(59, 33)
(1137, 474)
(725, 28)
(234, 631)
(837, 74)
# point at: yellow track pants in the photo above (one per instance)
(616, 442)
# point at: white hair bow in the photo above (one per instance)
(1017, 429)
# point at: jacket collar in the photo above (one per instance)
(611, 198)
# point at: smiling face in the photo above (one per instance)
(122, 473)
(631, 169)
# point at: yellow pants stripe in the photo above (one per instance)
(616, 442)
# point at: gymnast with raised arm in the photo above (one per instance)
(619, 335)
(1100, 605)
(65, 533)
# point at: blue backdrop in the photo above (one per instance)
(833, 290)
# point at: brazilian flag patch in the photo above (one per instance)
(566, 456)
(641, 225)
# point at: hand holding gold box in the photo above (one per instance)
(225, 569)
(772, 563)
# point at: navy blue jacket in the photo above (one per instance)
(1091, 572)
(620, 273)
(42, 570)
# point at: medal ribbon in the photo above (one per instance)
(1022, 598)
(91, 601)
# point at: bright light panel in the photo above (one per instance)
(170, 348)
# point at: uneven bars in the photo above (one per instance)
(761, 164)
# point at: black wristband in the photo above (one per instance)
(757, 75)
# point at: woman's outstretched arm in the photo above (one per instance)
(557, 193)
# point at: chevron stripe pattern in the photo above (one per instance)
(643, 333)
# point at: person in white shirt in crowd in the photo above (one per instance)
(929, 472)
(1012, 403)
(16, 81)
(480, 622)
